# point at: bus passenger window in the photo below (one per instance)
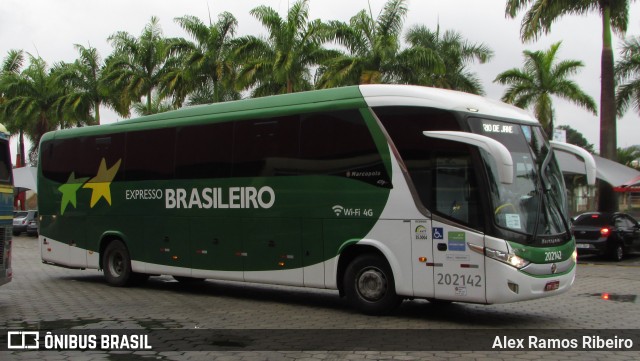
(266, 147)
(150, 154)
(204, 151)
(340, 144)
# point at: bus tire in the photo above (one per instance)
(369, 285)
(116, 265)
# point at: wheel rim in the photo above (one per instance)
(116, 264)
(619, 252)
(371, 284)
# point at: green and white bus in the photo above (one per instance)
(383, 192)
(6, 207)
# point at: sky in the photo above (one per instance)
(50, 28)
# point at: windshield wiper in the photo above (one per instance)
(547, 187)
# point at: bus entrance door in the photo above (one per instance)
(459, 272)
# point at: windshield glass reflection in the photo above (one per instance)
(535, 203)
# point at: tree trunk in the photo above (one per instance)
(96, 119)
(289, 86)
(21, 149)
(148, 103)
(608, 201)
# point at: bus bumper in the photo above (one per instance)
(507, 284)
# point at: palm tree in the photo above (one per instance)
(88, 90)
(615, 16)
(541, 78)
(374, 54)
(33, 98)
(158, 105)
(208, 73)
(282, 62)
(138, 65)
(13, 62)
(628, 76)
(627, 155)
(576, 138)
(11, 67)
(454, 53)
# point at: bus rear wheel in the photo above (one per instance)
(116, 265)
(369, 285)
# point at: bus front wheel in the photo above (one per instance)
(116, 265)
(369, 285)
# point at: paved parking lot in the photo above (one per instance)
(46, 297)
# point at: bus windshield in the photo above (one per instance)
(534, 204)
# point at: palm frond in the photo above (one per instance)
(13, 62)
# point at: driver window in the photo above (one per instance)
(456, 192)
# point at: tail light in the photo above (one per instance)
(604, 232)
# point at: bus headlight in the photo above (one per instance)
(504, 257)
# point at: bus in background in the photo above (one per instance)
(6, 206)
(382, 192)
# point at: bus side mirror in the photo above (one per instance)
(496, 150)
(586, 157)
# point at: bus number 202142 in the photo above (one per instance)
(453, 279)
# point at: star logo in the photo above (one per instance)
(100, 184)
(69, 191)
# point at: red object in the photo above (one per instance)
(605, 232)
(632, 185)
(20, 200)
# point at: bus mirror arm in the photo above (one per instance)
(496, 150)
(589, 161)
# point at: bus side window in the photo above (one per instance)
(150, 154)
(109, 147)
(340, 144)
(81, 156)
(5, 164)
(204, 151)
(266, 147)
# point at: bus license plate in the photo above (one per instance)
(552, 286)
